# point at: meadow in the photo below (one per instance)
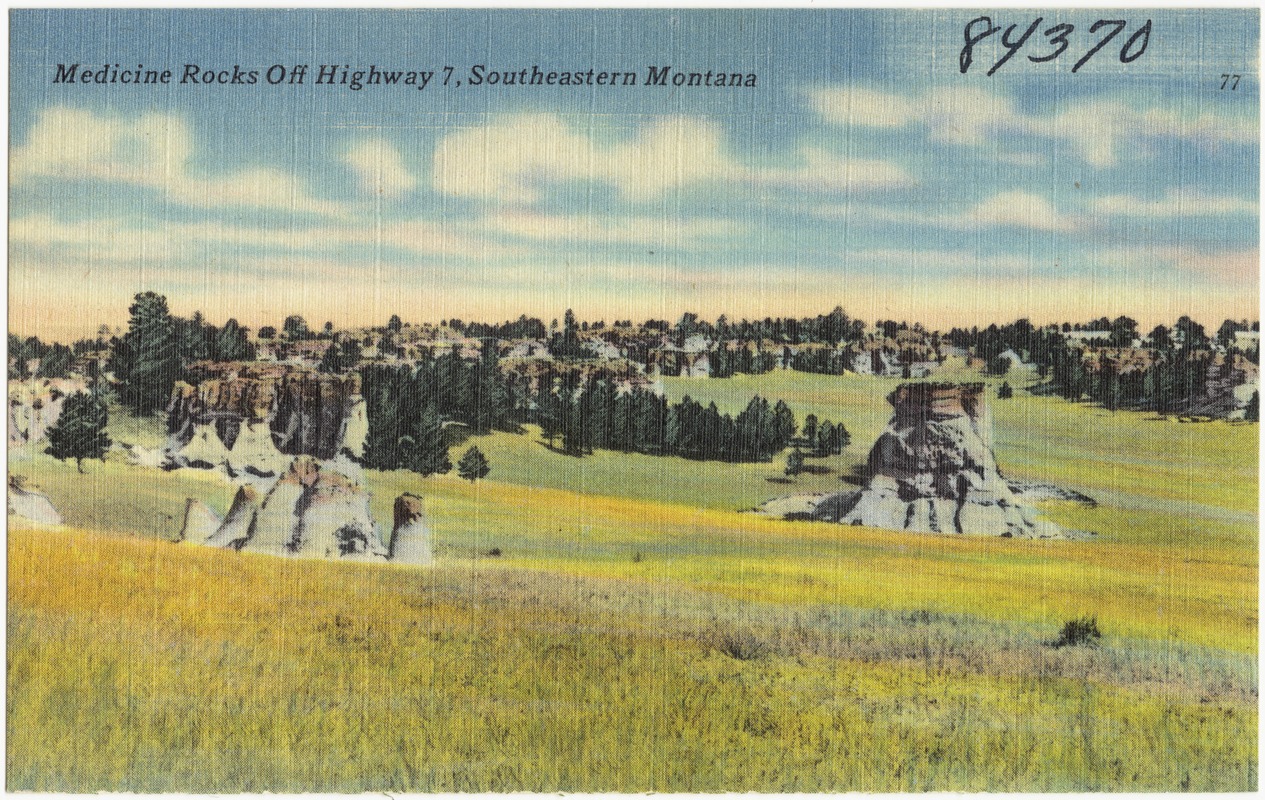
(615, 623)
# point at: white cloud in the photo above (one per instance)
(1015, 209)
(659, 232)
(1173, 204)
(857, 106)
(514, 158)
(153, 151)
(824, 171)
(1101, 130)
(518, 158)
(1006, 209)
(116, 240)
(380, 168)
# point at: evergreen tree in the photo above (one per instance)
(267, 332)
(381, 387)
(231, 344)
(794, 463)
(340, 356)
(473, 465)
(424, 449)
(146, 362)
(295, 327)
(80, 430)
(1252, 413)
(1005, 392)
(491, 398)
(394, 324)
(56, 362)
(809, 432)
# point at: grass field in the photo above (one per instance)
(637, 633)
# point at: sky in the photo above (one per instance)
(862, 169)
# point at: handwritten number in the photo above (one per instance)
(1119, 23)
(964, 60)
(1013, 47)
(1059, 37)
(1145, 33)
(1064, 30)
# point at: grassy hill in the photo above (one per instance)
(637, 633)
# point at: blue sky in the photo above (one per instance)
(863, 169)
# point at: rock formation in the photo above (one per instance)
(410, 535)
(933, 471)
(260, 415)
(35, 405)
(200, 522)
(316, 509)
(28, 502)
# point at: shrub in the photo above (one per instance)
(1081, 632)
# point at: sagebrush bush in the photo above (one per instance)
(1081, 632)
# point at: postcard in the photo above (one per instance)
(633, 400)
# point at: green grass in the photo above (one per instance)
(699, 649)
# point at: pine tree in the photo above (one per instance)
(340, 356)
(473, 465)
(55, 363)
(231, 344)
(1252, 413)
(381, 387)
(80, 430)
(794, 463)
(809, 431)
(424, 450)
(1005, 392)
(295, 327)
(146, 361)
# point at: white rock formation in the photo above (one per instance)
(28, 502)
(239, 524)
(204, 449)
(933, 470)
(357, 428)
(200, 522)
(410, 535)
(255, 453)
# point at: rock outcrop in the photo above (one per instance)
(28, 502)
(316, 509)
(35, 405)
(933, 471)
(200, 522)
(410, 535)
(260, 415)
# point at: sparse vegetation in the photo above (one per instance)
(1082, 632)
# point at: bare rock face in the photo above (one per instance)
(317, 509)
(35, 405)
(239, 524)
(410, 535)
(200, 522)
(933, 471)
(259, 414)
(28, 502)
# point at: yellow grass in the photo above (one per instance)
(183, 669)
(637, 633)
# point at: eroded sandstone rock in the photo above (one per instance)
(410, 535)
(28, 502)
(316, 509)
(261, 414)
(932, 470)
